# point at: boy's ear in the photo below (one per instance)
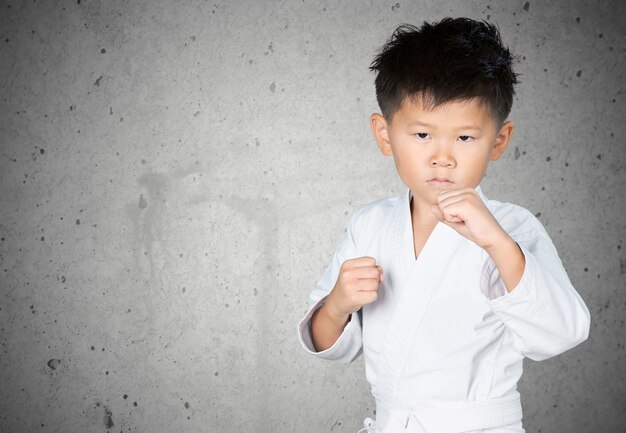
(502, 140)
(381, 134)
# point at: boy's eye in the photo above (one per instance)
(465, 138)
(422, 135)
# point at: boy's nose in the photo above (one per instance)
(442, 159)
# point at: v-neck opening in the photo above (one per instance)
(410, 239)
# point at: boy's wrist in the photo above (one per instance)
(509, 259)
(500, 245)
(336, 317)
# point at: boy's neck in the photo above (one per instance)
(422, 215)
(423, 222)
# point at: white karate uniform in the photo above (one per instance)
(444, 336)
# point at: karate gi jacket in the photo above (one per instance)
(444, 330)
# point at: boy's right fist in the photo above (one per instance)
(357, 285)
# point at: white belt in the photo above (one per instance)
(453, 418)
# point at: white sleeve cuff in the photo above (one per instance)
(346, 348)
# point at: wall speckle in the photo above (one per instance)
(108, 418)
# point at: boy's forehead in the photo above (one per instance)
(422, 106)
(425, 103)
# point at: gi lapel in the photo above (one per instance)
(417, 290)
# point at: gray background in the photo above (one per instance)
(175, 177)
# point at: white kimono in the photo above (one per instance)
(444, 341)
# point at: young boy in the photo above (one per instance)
(443, 290)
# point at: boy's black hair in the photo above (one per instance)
(454, 59)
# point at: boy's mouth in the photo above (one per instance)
(439, 181)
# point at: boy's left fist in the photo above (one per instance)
(465, 212)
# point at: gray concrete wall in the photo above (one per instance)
(176, 175)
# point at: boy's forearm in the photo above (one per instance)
(509, 260)
(326, 327)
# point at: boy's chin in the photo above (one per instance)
(427, 197)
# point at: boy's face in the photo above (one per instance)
(446, 148)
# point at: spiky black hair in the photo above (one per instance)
(454, 59)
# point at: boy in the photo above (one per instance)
(444, 291)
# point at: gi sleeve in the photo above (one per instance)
(349, 344)
(544, 313)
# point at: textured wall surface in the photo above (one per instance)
(175, 177)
